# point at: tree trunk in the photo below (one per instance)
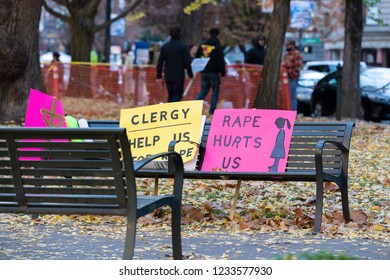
(268, 87)
(351, 96)
(19, 56)
(81, 43)
(80, 48)
(192, 25)
(82, 26)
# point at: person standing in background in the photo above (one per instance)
(257, 53)
(293, 62)
(174, 59)
(193, 50)
(54, 77)
(209, 77)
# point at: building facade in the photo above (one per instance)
(376, 39)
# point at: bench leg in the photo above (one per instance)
(319, 205)
(36, 216)
(155, 190)
(235, 199)
(130, 236)
(176, 232)
(344, 200)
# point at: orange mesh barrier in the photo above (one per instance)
(138, 86)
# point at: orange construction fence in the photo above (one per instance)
(137, 86)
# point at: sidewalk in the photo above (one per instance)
(44, 242)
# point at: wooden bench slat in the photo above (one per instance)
(300, 149)
(319, 126)
(72, 200)
(6, 180)
(305, 165)
(322, 133)
(8, 200)
(5, 171)
(65, 172)
(307, 158)
(71, 191)
(63, 181)
(69, 154)
(84, 163)
(86, 145)
(311, 140)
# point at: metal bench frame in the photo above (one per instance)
(43, 172)
(319, 152)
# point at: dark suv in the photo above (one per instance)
(375, 93)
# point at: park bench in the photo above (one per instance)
(318, 153)
(53, 171)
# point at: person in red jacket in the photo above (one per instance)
(293, 62)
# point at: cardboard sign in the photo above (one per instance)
(249, 140)
(198, 64)
(44, 111)
(189, 165)
(151, 128)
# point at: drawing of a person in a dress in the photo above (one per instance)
(279, 151)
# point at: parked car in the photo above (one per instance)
(327, 66)
(375, 94)
(307, 80)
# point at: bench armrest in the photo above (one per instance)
(176, 167)
(172, 145)
(319, 151)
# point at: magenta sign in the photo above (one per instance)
(249, 140)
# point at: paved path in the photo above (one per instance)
(45, 242)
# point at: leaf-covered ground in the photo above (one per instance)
(287, 206)
(263, 207)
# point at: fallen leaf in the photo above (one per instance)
(358, 216)
(330, 187)
(377, 227)
(301, 219)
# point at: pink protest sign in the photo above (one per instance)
(249, 140)
(44, 111)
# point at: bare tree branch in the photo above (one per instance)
(126, 11)
(55, 13)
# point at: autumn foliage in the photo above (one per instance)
(286, 206)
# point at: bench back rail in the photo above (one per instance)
(305, 138)
(43, 160)
(50, 170)
(318, 153)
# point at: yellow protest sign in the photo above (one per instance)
(151, 128)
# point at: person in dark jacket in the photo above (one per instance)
(210, 76)
(174, 59)
(256, 54)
